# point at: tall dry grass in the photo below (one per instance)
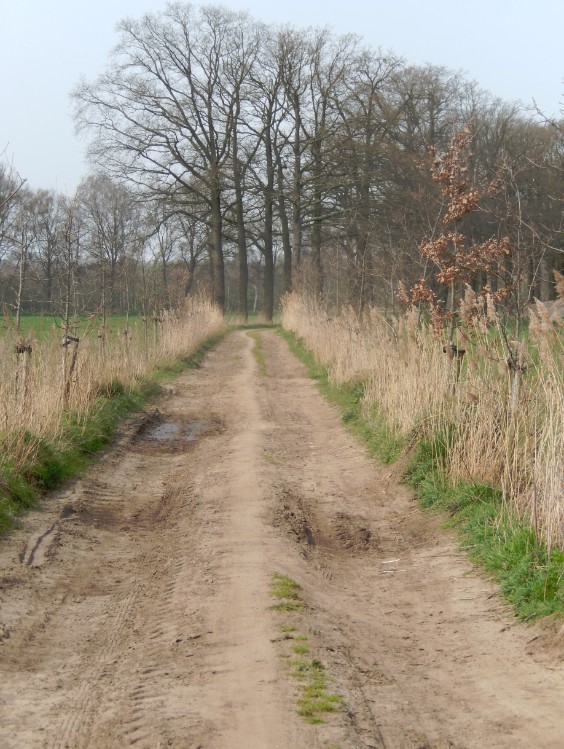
(503, 425)
(39, 388)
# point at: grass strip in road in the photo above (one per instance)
(51, 461)
(531, 579)
(314, 699)
(258, 353)
(287, 593)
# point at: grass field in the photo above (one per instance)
(45, 327)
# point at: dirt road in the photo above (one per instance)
(136, 609)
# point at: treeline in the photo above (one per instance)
(98, 251)
(292, 156)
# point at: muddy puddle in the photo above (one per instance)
(169, 430)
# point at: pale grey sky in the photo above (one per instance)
(512, 48)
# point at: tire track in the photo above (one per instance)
(75, 729)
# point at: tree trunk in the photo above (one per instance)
(241, 248)
(216, 249)
(49, 274)
(297, 189)
(240, 216)
(546, 292)
(165, 281)
(268, 243)
(21, 282)
(190, 268)
(285, 227)
(317, 219)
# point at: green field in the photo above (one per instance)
(44, 327)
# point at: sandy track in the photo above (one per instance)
(134, 610)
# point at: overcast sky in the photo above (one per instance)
(512, 48)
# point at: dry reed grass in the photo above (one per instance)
(37, 389)
(505, 425)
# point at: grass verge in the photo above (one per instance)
(529, 578)
(50, 462)
(314, 698)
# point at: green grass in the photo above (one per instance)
(45, 327)
(314, 699)
(51, 462)
(287, 591)
(528, 577)
(258, 353)
(285, 587)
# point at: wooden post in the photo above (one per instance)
(455, 356)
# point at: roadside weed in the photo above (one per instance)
(314, 698)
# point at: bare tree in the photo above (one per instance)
(11, 187)
(162, 114)
(49, 218)
(239, 74)
(111, 219)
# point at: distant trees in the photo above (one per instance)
(251, 159)
(311, 148)
(100, 251)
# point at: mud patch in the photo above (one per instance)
(297, 524)
(100, 516)
(163, 432)
(293, 516)
(10, 581)
(353, 533)
(346, 533)
(296, 515)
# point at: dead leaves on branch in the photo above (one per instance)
(457, 260)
